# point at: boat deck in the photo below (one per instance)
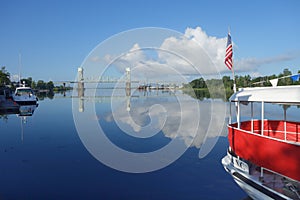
(276, 182)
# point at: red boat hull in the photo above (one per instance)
(268, 150)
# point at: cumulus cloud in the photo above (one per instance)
(192, 53)
(205, 52)
(214, 47)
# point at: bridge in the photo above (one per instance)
(106, 80)
(81, 82)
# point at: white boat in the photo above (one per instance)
(264, 154)
(24, 96)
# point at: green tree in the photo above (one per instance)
(285, 81)
(28, 81)
(243, 81)
(287, 72)
(33, 85)
(50, 86)
(4, 77)
(228, 85)
(198, 83)
(40, 85)
(227, 81)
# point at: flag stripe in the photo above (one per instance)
(229, 53)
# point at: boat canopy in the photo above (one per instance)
(279, 94)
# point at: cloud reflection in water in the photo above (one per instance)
(151, 115)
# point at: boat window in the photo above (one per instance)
(24, 92)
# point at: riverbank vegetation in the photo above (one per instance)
(42, 86)
(39, 86)
(223, 88)
(4, 77)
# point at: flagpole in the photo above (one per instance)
(234, 83)
(232, 68)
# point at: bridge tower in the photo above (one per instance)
(80, 78)
(80, 89)
(80, 74)
(128, 82)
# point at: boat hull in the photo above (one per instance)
(271, 153)
(27, 102)
(254, 188)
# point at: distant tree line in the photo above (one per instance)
(39, 85)
(46, 86)
(201, 90)
(36, 85)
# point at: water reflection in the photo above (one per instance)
(144, 113)
(22, 111)
(51, 140)
(42, 95)
(26, 111)
(143, 118)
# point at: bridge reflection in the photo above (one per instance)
(129, 95)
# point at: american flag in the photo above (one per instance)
(229, 53)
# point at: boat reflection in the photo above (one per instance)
(20, 111)
(23, 112)
(26, 111)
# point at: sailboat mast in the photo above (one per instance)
(20, 64)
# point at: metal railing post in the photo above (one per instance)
(262, 117)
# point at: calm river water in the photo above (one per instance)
(43, 156)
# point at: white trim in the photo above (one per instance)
(269, 94)
(284, 124)
(238, 114)
(252, 120)
(230, 114)
(262, 117)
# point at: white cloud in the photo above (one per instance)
(95, 58)
(205, 52)
(215, 47)
(176, 54)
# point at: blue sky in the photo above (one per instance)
(54, 37)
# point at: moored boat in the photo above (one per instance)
(264, 153)
(24, 96)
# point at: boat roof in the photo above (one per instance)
(19, 88)
(278, 94)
